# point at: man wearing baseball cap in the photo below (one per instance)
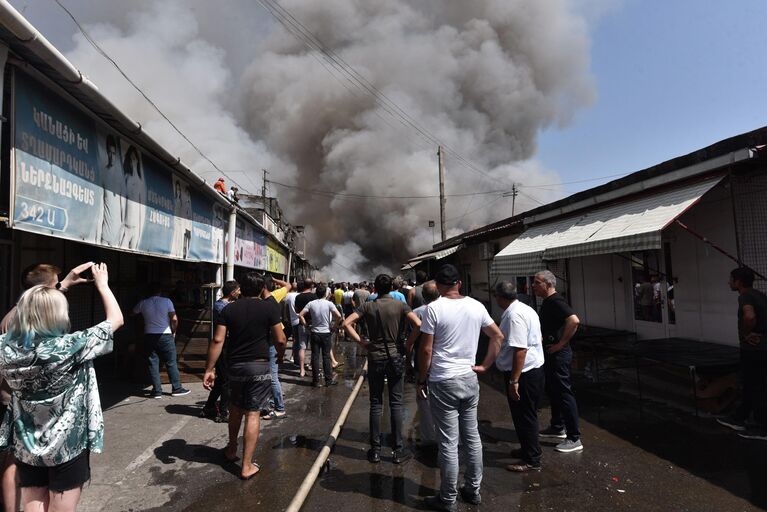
(450, 335)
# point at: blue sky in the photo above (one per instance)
(672, 77)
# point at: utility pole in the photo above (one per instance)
(442, 200)
(513, 194)
(263, 193)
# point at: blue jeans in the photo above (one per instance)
(279, 404)
(454, 408)
(162, 347)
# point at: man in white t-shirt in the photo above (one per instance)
(447, 355)
(160, 324)
(521, 361)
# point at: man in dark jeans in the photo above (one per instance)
(324, 318)
(558, 325)
(752, 325)
(521, 361)
(160, 324)
(385, 318)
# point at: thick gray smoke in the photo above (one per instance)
(484, 77)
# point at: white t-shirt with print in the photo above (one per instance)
(521, 328)
(455, 324)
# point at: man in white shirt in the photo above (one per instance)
(324, 317)
(447, 355)
(521, 361)
(160, 324)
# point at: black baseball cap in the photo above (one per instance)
(447, 275)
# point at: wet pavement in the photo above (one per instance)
(666, 461)
(160, 456)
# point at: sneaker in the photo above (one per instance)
(374, 456)
(436, 503)
(155, 395)
(180, 392)
(401, 456)
(553, 433)
(222, 417)
(522, 468)
(758, 434)
(569, 445)
(733, 423)
(473, 498)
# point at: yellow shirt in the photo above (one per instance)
(338, 296)
(280, 293)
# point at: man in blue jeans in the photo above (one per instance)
(160, 324)
(446, 364)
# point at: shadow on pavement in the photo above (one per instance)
(178, 449)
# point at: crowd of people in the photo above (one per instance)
(425, 332)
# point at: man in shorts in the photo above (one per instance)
(251, 323)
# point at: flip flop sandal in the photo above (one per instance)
(254, 474)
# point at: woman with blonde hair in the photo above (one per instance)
(55, 418)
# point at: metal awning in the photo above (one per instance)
(628, 226)
(433, 255)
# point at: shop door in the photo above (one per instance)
(653, 293)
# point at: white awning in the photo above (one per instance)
(433, 255)
(629, 226)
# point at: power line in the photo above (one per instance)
(577, 181)
(370, 196)
(104, 54)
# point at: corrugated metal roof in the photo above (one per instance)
(627, 226)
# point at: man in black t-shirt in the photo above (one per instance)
(752, 326)
(253, 325)
(558, 325)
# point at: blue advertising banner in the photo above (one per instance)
(78, 180)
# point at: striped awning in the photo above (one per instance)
(433, 255)
(628, 226)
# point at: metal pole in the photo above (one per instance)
(230, 236)
(442, 200)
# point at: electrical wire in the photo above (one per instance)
(370, 196)
(104, 54)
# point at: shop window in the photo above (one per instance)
(646, 276)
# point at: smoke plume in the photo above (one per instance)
(484, 77)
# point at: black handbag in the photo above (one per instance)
(396, 359)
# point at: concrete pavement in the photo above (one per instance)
(160, 456)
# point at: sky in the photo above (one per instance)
(582, 90)
(671, 78)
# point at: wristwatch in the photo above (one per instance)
(513, 382)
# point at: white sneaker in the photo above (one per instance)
(568, 445)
